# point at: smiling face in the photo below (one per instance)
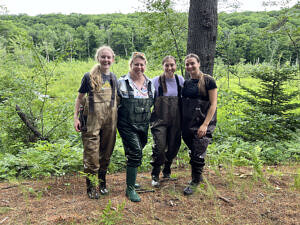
(105, 58)
(192, 66)
(169, 66)
(138, 66)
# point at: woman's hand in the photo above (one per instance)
(201, 132)
(77, 124)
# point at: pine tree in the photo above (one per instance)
(270, 114)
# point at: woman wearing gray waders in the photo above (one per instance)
(166, 119)
(96, 102)
(136, 98)
(199, 103)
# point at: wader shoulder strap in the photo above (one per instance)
(160, 88)
(91, 101)
(150, 94)
(129, 89)
(90, 95)
(112, 82)
(178, 86)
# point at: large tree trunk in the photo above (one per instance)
(202, 32)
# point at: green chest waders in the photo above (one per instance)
(133, 123)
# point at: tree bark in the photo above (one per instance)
(202, 32)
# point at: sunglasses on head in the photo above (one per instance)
(135, 54)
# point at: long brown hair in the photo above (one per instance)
(163, 76)
(95, 73)
(201, 82)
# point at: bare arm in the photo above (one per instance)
(210, 113)
(78, 102)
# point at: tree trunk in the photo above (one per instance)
(202, 32)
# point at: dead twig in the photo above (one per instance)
(168, 179)
(8, 187)
(225, 200)
(144, 190)
(132, 212)
(13, 186)
(2, 221)
(29, 124)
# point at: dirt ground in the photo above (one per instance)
(228, 196)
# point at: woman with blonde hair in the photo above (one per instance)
(199, 103)
(136, 92)
(96, 103)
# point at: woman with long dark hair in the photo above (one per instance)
(199, 103)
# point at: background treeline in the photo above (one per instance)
(43, 58)
(247, 36)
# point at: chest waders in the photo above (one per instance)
(194, 111)
(133, 124)
(99, 133)
(166, 131)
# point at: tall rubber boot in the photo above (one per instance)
(102, 182)
(131, 173)
(91, 190)
(197, 178)
(167, 170)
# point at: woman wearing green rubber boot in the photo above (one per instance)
(135, 91)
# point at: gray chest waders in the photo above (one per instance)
(133, 123)
(165, 129)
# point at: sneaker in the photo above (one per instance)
(103, 191)
(102, 188)
(155, 181)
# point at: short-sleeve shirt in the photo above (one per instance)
(137, 93)
(190, 88)
(85, 86)
(171, 85)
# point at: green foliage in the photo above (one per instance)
(271, 97)
(297, 180)
(166, 30)
(27, 77)
(92, 177)
(112, 215)
(43, 159)
(269, 115)
(30, 71)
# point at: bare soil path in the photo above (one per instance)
(227, 197)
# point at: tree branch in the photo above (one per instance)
(29, 124)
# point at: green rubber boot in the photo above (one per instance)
(131, 173)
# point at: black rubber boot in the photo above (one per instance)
(167, 170)
(131, 173)
(91, 190)
(102, 182)
(197, 178)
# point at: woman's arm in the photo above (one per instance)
(78, 102)
(210, 113)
